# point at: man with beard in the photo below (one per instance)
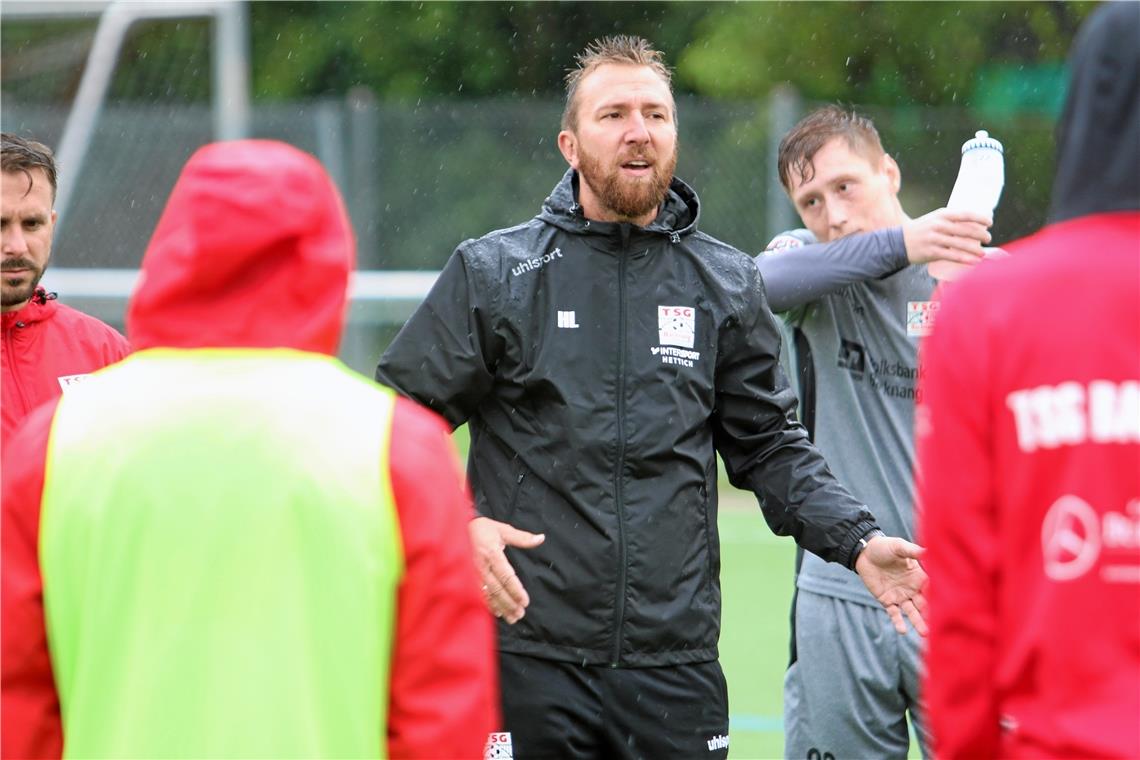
(601, 354)
(47, 346)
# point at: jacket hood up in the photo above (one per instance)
(678, 214)
(253, 249)
(1098, 136)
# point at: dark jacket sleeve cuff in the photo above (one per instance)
(851, 541)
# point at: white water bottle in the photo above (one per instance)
(980, 177)
(978, 188)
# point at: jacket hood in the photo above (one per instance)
(678, 214)
(253, 249)
(1098, 135)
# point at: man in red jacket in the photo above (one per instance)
(229, 544)
(48, 347)
(1029, 452)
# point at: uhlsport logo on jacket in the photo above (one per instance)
(530, 265)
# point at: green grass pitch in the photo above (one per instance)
(756, 588)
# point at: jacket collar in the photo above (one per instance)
(677, 217)
(42, 306)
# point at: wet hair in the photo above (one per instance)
(20, 155)
(814, 131)
(620, 49)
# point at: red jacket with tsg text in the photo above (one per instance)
(1029, 490)
(46, 346)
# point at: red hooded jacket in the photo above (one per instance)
(1029, 451)
(254, 250)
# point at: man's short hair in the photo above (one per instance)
(814, 131)
(622, 49)
(20, 155)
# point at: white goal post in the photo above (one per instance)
(231, 78)
(377, 298)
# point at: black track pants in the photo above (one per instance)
(563, 710)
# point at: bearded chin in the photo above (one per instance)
(14, 294)
(626, 198)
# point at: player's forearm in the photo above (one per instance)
(796, 276)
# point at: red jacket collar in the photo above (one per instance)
(42, 306)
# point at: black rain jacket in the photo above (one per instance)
(598, 365)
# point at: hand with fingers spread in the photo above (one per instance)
(945, 235)
(890, 569)
(503, 590)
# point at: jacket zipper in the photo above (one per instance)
(9, 349)
(619, 466)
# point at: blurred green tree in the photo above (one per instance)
(423, 49)
(924, 53)
(920, 53)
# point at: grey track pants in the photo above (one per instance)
(853, 685)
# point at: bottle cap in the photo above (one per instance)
(982, 139)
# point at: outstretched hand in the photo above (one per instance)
(889, 566)
(945, 235)
(502, 589)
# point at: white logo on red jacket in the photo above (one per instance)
(1075, 537)
(70, 381)
(1072, 413)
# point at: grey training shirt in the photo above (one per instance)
(861, 309)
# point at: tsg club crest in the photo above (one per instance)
(920, 317)
(676, 325)
(499, 747)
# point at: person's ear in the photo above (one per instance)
(568, 145)
(894, 176)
